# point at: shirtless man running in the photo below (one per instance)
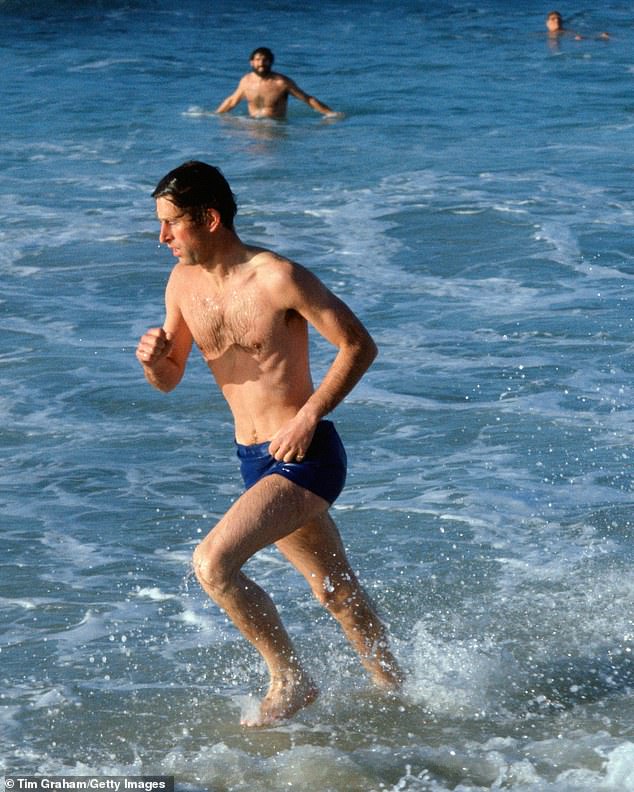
(248, 310)
(267, 91)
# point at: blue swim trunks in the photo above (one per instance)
(322, 471)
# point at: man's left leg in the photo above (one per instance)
(316, 550)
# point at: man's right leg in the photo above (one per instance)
(268, 511)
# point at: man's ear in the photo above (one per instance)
(213, 219)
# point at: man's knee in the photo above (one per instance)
(213, 573)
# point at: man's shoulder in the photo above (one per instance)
(284, 79)
(178, 270)
(248, 79)
(268, 263)
(177, 285)
(176, 278)
(284, 282)
(275, 272)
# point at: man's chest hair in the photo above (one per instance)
(235, 319)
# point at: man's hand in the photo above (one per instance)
(154, 346)
(290, 443)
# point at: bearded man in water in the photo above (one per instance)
(266, 92)
(248, 310)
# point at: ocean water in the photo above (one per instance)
(475, 207)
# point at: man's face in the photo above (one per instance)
(186, 239)
(553, 23)
(261, 64)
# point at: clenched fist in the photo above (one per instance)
(154, 345)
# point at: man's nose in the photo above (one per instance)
(164, 236)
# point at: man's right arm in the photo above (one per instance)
(163, 351)
(232, 101)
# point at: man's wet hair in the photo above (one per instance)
(196, 187)
(262, 51)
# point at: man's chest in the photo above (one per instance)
(239, 319)
(265, 91)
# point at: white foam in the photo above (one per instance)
(196, 111)
(154, 593)
(620, 768)
(455, 677)
(14, 602)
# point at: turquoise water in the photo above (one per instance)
(474, 206)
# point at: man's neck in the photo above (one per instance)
(227, 255)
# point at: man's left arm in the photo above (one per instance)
(311, 101)
(356, 350)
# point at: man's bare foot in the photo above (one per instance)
(391, 681)
(285, 697)
(385, 671)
